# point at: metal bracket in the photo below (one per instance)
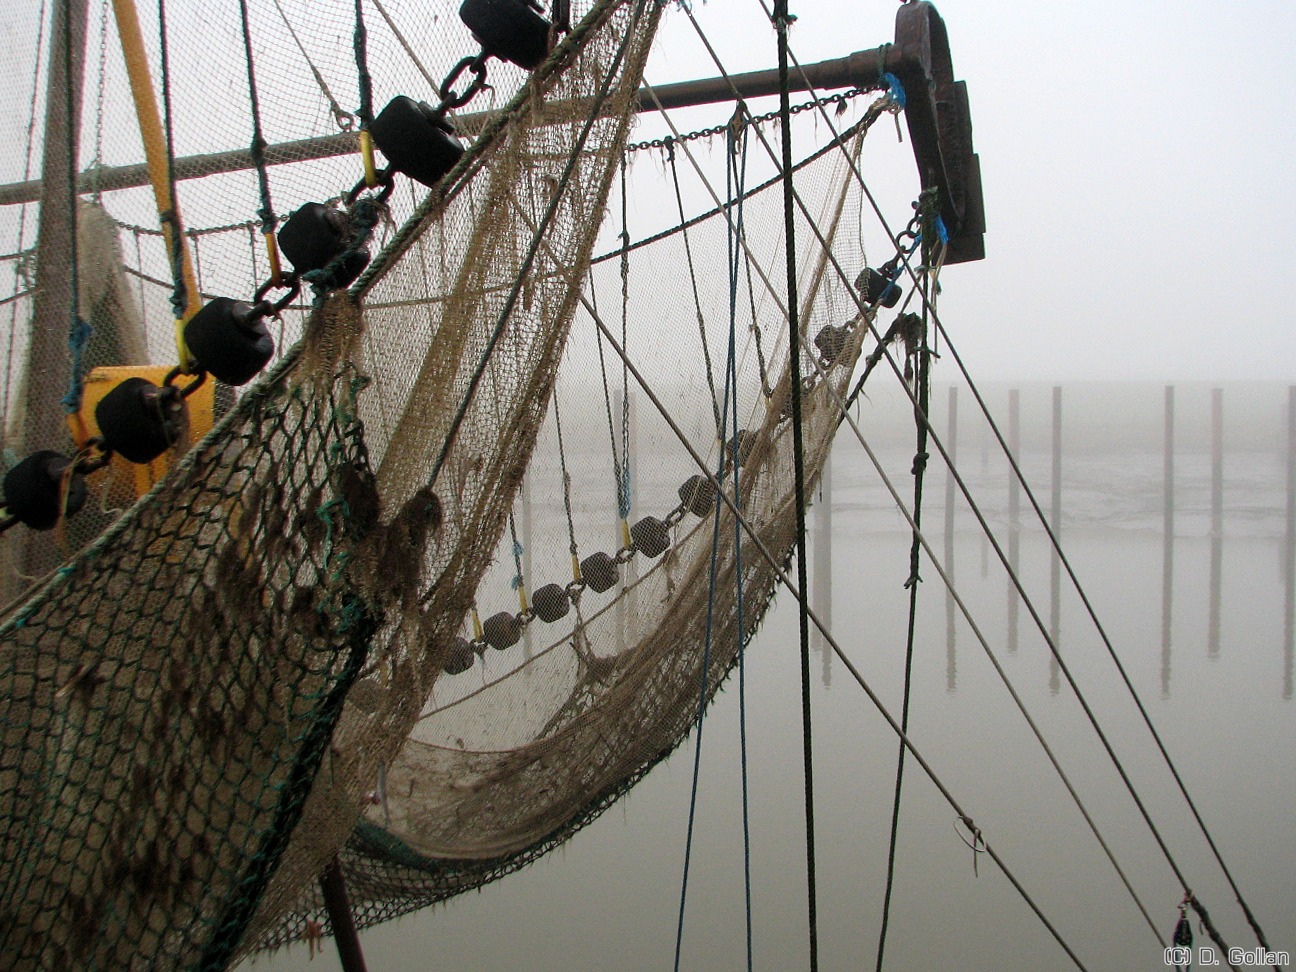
(940, 126)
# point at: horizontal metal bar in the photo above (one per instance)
(862, 69)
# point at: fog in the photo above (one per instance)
(1133, 160)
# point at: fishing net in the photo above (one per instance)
(193, 708)
(516, 752)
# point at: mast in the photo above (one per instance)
(48, 359)
(47, 356)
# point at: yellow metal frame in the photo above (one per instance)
(155, 154)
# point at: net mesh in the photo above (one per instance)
(512, 756)
(193, 708)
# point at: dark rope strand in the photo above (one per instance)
(360, 41)
(537, 237)
(266, 213)
(919, 467)
(781, 23)
(697, 300)
(735, 255)
(706, 661)
(1070, 573)
(1102, 633)
(623, 496)
(179, 294)
(775, 565)
(607, 404)
(79, 329)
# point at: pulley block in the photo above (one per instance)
(416, 140)
(599, 572)
(512, 30)
(140, 421)
(316, 235)
(651, 537)
(550, 603)
(33, 490)
(460, 657)
(230, 340)
(876, 287)
(698, 495)
(501, 630)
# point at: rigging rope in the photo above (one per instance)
(796, 593)
(735, 187)
(341, 117)
(882, 348)
(697, 300)
(935, 439)
(79, 328)
(171, 216)
(266, 213)
(919, 467)
(782, 21)
(1102, 633)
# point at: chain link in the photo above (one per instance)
(841, 98)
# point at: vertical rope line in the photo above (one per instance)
(781, 24)
(78, 329)
(919, 467)
(257, 150)
(706, 666)
(623, 498)
(360, 41)
(22, 226)
(697, 299)
(566, 476)
(179, 293)
(736, 189)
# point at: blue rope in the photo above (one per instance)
(78, 338)
(895, 90)
(706, 666)
(735, 257)
(79, 333)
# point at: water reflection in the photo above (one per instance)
(951, 446)
(1167, 543)
(1055, 563)
(821, 582)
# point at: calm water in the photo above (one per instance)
(1216, 682)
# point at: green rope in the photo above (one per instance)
(79, 330)
(266, 213)
(179, 294)
(360, 41)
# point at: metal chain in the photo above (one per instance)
(841, 98)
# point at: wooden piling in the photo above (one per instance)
(951, 446)
(1289, 549)
(339, 911)
(1055, 524)
(1167, 540)
(1014, 514)
(1217, 519)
